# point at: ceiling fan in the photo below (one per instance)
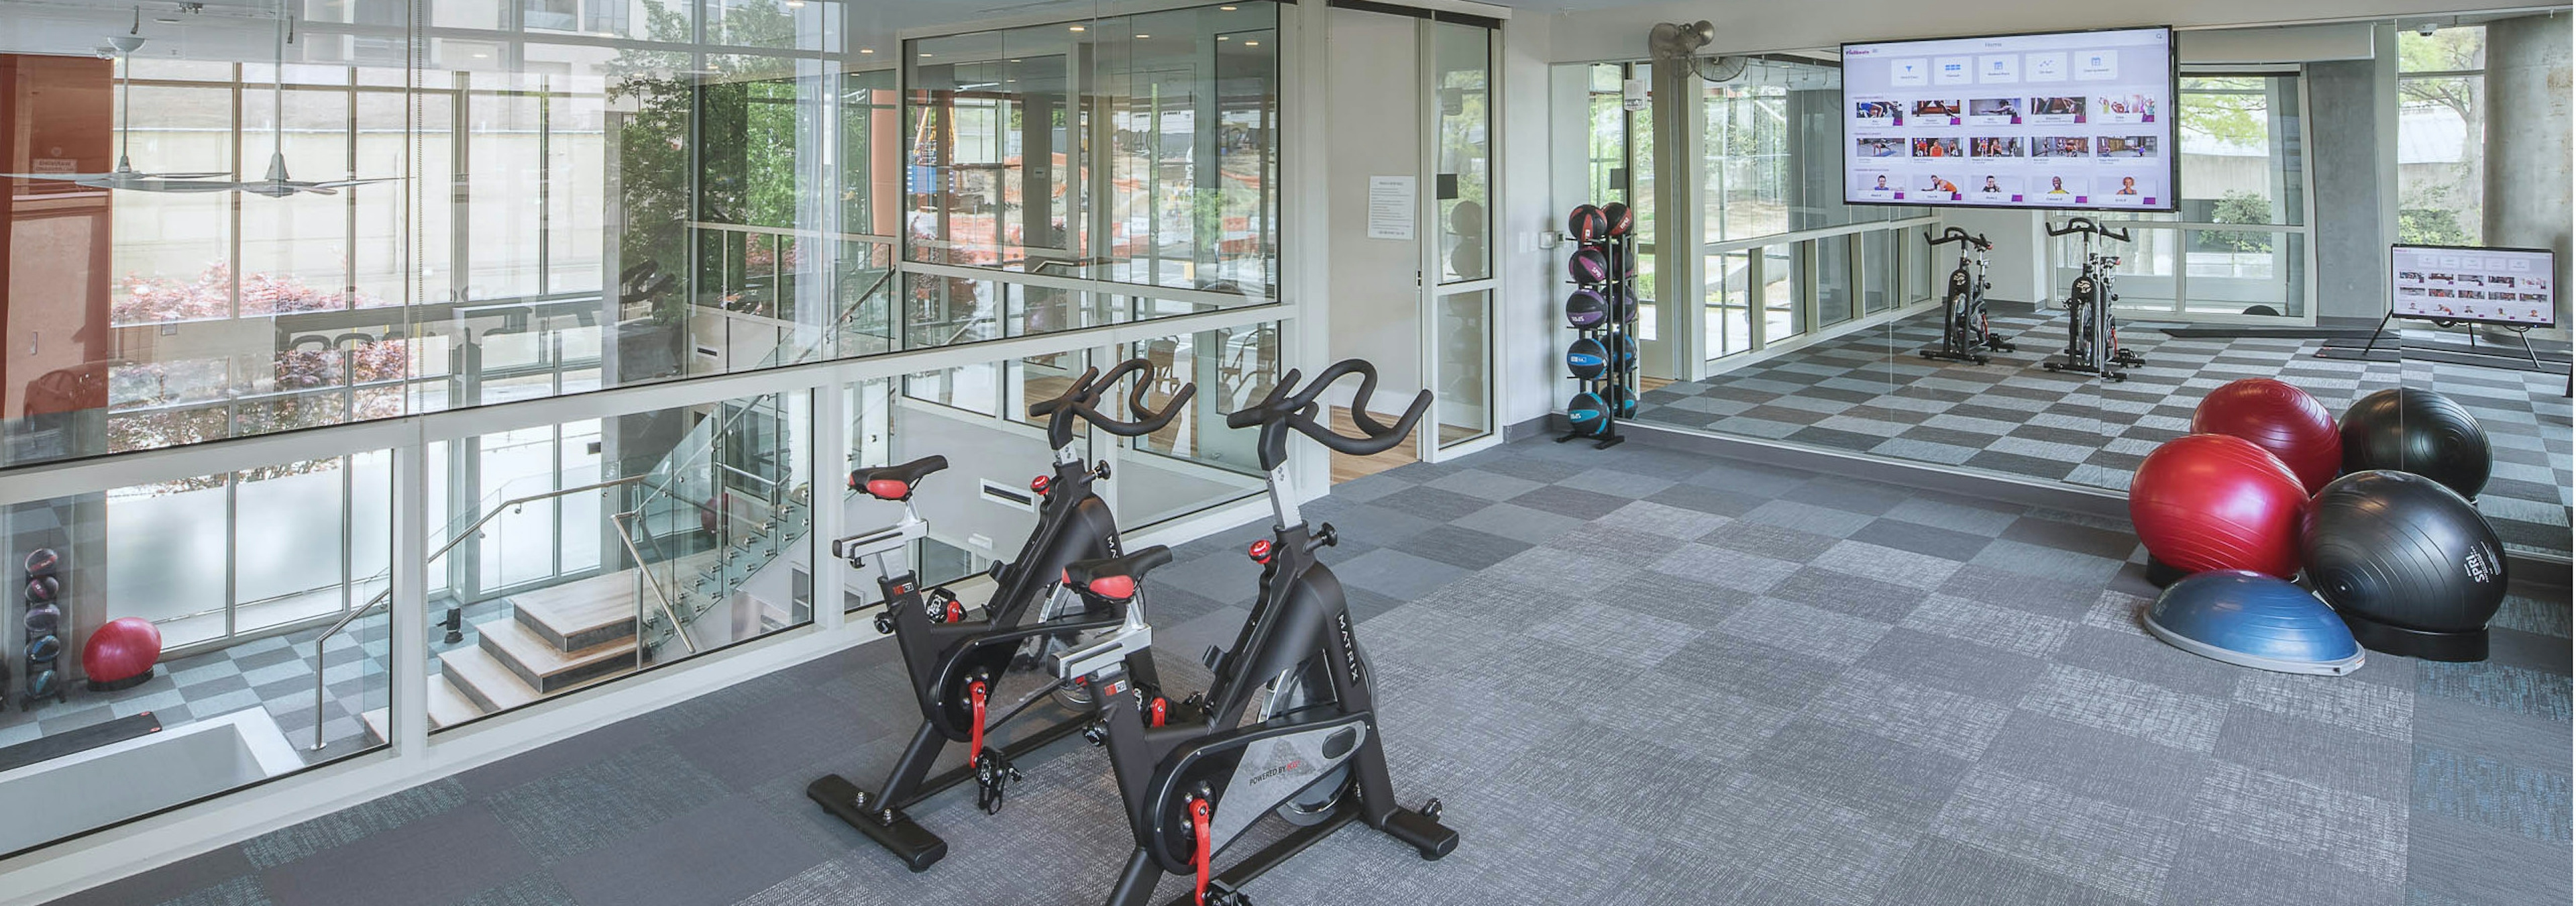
(1677, 44)
(275, 183)
(122, 47)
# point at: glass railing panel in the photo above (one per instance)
(163, 638)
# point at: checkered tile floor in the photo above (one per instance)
(1633, 676)
(275, 673)
(1869, 392)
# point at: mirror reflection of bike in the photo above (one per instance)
(1965, 334)
(2092, 332)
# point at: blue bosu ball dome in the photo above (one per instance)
(2253, 620)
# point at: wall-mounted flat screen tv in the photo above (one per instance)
(2080, 119)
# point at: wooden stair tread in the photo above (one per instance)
(448, 705)
(472, 668)
(587, 605)
(541, 658)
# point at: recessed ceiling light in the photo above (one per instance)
(925, 56)
(1015, 60)
(1226, 8)
(1075, 28)
(1144, 36)
(867, 50)
(479, 55)
(1223, 37)
(795, 4)
(1251, 43)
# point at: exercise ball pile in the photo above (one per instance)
(2372, 513)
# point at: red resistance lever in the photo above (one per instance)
(1260, 551)
(1040, 485)
(1161, 709)
(956, 610)
(1199, 829)
(975, 692)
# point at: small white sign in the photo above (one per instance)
(1391, 203)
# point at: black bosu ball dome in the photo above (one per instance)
(2409, 564)
(2417, 431)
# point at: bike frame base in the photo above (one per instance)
(917, 846)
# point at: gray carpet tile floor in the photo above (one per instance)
(1870, 392)
(1632, 675)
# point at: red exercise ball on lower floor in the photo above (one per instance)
(2215, 501)
(122, 650)
(2279, 418)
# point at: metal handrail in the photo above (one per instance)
(321, 690)
(626, 538)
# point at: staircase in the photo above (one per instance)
(554, 639)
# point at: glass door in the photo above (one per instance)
(1457, 316)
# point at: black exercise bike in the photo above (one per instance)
(1965, 333)
(2092, 332)
(1194, 777)
(957, 658)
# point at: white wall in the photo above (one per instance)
(2018, 266)
(1529, 332)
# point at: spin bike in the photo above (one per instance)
(1193, 776)
(1965, 335)
(2092, 332)
(956, 658)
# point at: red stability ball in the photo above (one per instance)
(2279, 418)
(2213, 501)
(121, 654)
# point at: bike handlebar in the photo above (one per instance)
(1082, 399)
(1289, 406)
(2086, 225)
(1955, 234)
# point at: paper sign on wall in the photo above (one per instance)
(1391, 201)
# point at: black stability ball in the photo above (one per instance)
(2410, 565)
(2417, 431)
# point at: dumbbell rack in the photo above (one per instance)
(42, 619)
(1616, 388)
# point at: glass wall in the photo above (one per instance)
(1775, 236)
(2239, 246)
(1136, 149)
(567, 197)
(600, 547)
(228, 584)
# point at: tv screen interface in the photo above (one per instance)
(2493, 286)
(2062, 120)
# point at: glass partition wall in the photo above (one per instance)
(450, 266)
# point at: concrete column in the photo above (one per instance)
(2530, 146)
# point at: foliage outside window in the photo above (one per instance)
(2441, 135)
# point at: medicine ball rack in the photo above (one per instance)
(1602, 308)
(42, 619)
